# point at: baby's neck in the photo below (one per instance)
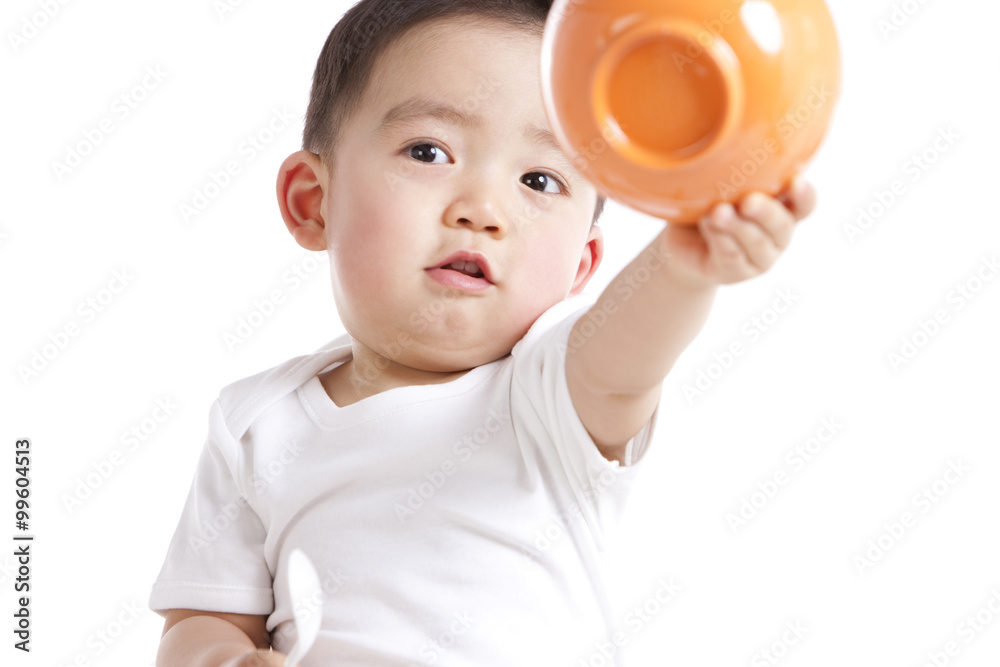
(368, 373)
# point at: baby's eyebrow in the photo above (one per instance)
(544, 137)
(417, 107)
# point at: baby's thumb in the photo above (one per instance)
(259, 658)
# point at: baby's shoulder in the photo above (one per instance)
(242, 401)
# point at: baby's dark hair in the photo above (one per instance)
(367, 29)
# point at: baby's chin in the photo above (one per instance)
(440, 352)
(456, 356)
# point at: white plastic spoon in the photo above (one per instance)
(307, 604)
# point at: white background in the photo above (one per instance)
(161, 338)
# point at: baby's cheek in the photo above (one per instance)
(550, 271)
(368, 266)
(369, 245)
(541, 282)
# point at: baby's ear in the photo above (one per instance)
(301, 186)
(590, 259)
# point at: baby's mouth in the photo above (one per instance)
(468, 268)
(465, 270)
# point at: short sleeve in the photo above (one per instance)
(544, 415)
(215, 561)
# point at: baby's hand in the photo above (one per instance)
(733, 244)
(258, 658)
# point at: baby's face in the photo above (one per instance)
(451, 153)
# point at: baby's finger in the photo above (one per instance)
(799, 198)
(726, 255)
(258, 658)
(772, 216)
(758, 245)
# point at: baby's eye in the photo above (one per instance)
(428, 153)
(543, 183)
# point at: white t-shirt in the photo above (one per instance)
(452, 524)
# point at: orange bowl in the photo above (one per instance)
(671, 106)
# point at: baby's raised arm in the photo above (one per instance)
(193, 638)
(620, 351)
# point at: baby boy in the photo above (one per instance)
(453, 465)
